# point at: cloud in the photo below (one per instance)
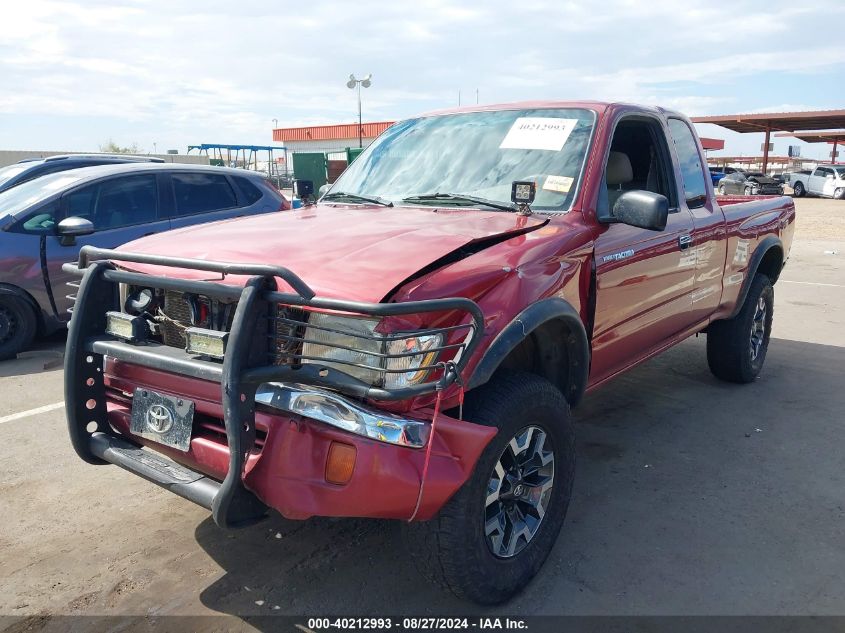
(177, 73)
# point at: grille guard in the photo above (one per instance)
(244, 367)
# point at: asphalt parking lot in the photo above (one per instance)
(692, 497)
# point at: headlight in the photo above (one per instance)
(351, 345)
(346, 340)
(416, 345)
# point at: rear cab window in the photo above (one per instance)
(201, 193)
(689, 160)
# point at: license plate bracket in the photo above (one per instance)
(162, 418)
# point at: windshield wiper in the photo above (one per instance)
(345, 195)
(461, 197)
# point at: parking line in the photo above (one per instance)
(36, 411)
(812, 283)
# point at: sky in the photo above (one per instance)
(164, 74)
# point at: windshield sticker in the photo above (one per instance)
(530, 132)
(560, 184)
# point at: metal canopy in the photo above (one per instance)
(237, 148)
(836, 137)
(779, 121)
(768, 122)
(833, 136)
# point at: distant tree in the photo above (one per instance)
(110, 147)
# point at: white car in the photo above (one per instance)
(825, 180)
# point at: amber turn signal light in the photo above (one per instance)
(340, 463)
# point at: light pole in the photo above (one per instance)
(353, 83)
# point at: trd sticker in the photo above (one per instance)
(617, 256)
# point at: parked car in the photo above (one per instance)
(44, 223)
(749, 184)
(716, 175)
(827, 181)
(26, 170)
(327, 375)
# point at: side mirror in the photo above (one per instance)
(323, 190)
(642, 209)
(74, 227)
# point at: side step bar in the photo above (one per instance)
(236, 507)
(155, 468)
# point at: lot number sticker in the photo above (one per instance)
(538, 133)
(560, 184)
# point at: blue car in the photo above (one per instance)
(45, 222)
(716, 175)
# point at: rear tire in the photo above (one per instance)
(748, 191)
(721, 190)
(486, 544)
(736, 348)
(798, 190)
(17, 326)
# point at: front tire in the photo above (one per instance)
(736, 348)
(721, 190)
(839, 194)
(17, 326)
(492, 537)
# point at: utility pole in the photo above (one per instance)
(366, 82)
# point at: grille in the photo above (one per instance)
(287, 327)
(178, 310)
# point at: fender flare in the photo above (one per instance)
(535, 315)
(760, 252)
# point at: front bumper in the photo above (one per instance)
(286, 467)
(243, 454)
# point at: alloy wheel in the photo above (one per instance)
(518, 492)
(758, 328)
(8, 324)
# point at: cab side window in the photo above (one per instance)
(689, 160)
(115, 203)
(638, 160)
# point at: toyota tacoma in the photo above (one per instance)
(410, 347)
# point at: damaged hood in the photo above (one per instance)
(359, 253)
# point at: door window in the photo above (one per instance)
(689, 160)
(201, 193)
(116, 202)
(638, 160)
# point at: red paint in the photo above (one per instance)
(643, 303)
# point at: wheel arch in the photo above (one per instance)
(20, 293)
(768, 258)
(548, 338)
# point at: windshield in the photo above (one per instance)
(7, 173)
(20, 198)
(840, 171)
(477, 154)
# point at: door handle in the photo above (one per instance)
(684, 241)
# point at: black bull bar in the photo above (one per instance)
(244, 367)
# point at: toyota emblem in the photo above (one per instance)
(159, 419)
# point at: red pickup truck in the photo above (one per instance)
(411, 346)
